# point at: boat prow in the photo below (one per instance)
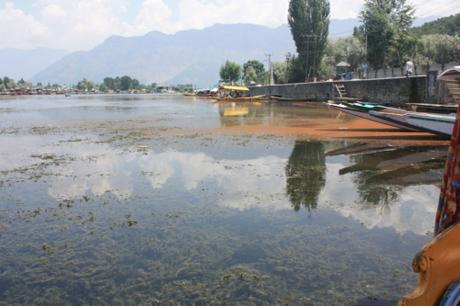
(424, 122)
(365, 114)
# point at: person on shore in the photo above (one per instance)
(409, 68)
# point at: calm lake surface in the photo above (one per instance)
(134, 200)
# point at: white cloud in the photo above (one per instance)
(82, 24)
(202, 13)
(96, 169)
(345, 9)
(234, 181)
(154, 14)
(54, 11)
(18, 29)
(77, 25)
(413, 212)
(436, 8)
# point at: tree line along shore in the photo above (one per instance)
(124, 84)
(385, 41)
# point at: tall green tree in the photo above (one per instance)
(230, 72)
(109, 83)
(250, 75)
(257, 67)
(295, 69)
(349, 49)
(436, 48)
(125, 83)
(376, 23)
(309, 23)
(85, 85)
(425, 52)
(9, 83)
(280, 72)
(404, 42)
(444, 48)
(386, 24)
(402, 49)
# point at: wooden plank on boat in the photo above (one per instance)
(438, 108)
(347, 99)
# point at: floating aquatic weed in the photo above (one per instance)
(43, 130)
(45, 156)
(130, 221)
(185, 246)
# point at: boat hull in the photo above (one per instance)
(440, 125)
(368, 116)
(282, 99)
(242, 99)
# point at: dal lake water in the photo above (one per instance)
(136, 200)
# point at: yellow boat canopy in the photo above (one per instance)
(236, 88)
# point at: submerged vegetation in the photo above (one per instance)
(112, 210)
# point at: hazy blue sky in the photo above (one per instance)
(81, 24)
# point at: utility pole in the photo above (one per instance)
(306, 39)
(458, 51)
(270, 70)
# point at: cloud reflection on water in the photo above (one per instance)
(244, 184)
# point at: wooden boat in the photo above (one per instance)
(283, 99)
(363, 110)
(406, 120)
(426, 122)
(448, 90)
(234, 93)
(434, 108)
(241, 99)
(347, 99)
(437, 263)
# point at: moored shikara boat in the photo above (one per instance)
(362, 110)
(425, 122)
(439, 260)
(283, 99)
(232, 93)
(440, 124)
(241, 99)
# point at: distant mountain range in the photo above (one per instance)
(193, 56)
(447, 25)
(185, 57)
(18, 64)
